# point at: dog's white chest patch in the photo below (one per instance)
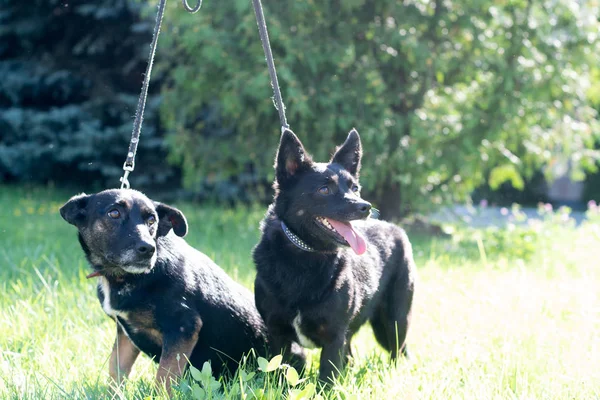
(106, 306)
(302, 338)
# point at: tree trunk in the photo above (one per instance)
(388, 201)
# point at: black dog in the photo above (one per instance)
(311, 288)
(169, 300)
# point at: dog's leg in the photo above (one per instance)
(349, 354)
(282, 340)
(333, 357)
(123, 356)
(283, 343)
(176, 350)
(297, 356)
(282, 337)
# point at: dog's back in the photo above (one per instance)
(231, 322)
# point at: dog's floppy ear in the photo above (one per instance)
(348, 154)
(291, 156)
(74, 210)
(170, 218)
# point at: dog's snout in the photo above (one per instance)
(364, 208)
(146, 249)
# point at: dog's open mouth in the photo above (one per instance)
(344, 232)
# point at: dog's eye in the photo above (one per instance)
(151, 220)
(114, 213)
(355, 188)
(324, 190)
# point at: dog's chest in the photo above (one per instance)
(111, 298)
(137, 322)
(303, 332)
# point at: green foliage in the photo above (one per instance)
(441, 91)
(505, 173)
(71, 73)
(592, 182)
(202, 384)
(260, 380)
(593, 215)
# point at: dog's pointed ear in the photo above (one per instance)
(170, 218)
(74, 210)
(291, 156)
(348, 155)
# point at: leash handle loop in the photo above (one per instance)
(189, 9)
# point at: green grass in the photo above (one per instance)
(502, 329)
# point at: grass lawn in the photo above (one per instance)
(485, 325)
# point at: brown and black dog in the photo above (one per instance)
(168, 300)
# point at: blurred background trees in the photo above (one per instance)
(70, 75)
(448, 96)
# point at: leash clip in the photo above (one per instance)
(127, 170)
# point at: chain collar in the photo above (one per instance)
(295, 239)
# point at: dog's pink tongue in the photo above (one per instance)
(354, 239)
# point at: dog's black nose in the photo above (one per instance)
(364, 208)
(146, 249)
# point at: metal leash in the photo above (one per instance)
(264, 38)
(129, 164)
